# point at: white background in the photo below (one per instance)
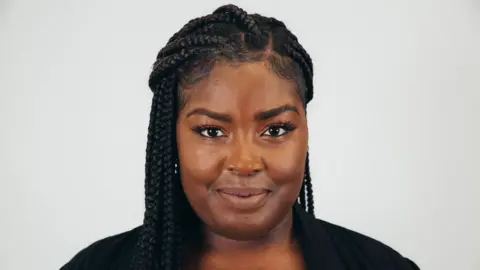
(395, 123)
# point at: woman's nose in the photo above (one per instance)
(244, 159)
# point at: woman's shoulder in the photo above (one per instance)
(347, 249)
(360, 249)
(106, 253)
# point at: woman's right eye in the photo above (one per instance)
(209, 132)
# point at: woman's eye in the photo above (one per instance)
(278, 130)
(211, 132)
(275, 131)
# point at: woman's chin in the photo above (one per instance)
(241, 232)
(246, 227)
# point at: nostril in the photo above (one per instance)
(244, 171)
(255, 171)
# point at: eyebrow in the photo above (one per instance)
(274, 112)
(260, 116)
(217, 116)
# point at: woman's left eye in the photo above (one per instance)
(275, 131)
(278, 130)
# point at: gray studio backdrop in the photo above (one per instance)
(395, 123)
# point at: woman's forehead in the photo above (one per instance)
(249, 85)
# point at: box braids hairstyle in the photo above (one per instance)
(228, 34)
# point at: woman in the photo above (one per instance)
(227, 177)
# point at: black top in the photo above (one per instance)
(325, 247)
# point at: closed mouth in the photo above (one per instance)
(243, 192)
(244, 199)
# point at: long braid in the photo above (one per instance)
(149, 235)
(228, 32)
(309, 189)
(302, 196)
(167, 134)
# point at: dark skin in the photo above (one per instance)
(242, 141)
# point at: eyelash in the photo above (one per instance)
(201, 128)
(286, 125)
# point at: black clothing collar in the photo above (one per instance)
(325, 246)
(317, 248)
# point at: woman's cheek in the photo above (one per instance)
(287, 160)
(201, 162)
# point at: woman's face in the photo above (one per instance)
(242, 141)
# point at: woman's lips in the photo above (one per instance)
(243, 192)
(244, 199)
